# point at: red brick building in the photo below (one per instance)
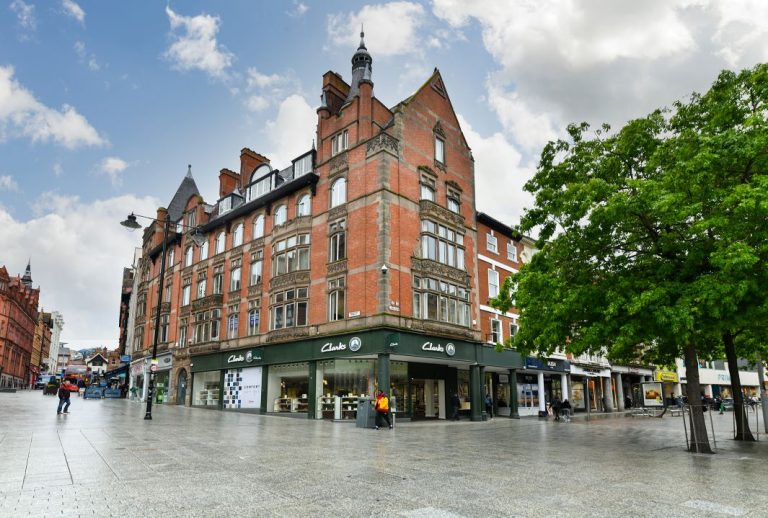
(18, 319)
(350, 270)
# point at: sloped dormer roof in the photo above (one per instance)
(187, 188)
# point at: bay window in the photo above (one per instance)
(442, 244)
(442, 301)
(291, 254)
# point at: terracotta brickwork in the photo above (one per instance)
(18, 320)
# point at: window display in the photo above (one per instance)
(207, 386)
(288, 387)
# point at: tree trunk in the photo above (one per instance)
(699, 441)
(743, 433)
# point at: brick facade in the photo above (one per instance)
(18, 320)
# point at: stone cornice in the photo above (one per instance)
(431, 209)
(432, 268)
(289, 279)
(211, 301)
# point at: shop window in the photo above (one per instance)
(442, 244)
(441, 301)
(207, 388)
(188, 254)
(493, 283)
(511, 251)
(257, 264)
(218, 280)
(491, 243)
(339, 192)
(289, 308)
(258, 226)
(288, 387)
(336, 292)
(204, 250)
(339, 142)
(496, 335)
(237, 235)
(338, 241)
(303, 207)
(291, 255)
(219, 243)
(281, 215)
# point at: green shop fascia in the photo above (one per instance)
(426, 377)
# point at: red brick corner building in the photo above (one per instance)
(350, 270)
(18, 320)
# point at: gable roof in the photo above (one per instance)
(186, 189)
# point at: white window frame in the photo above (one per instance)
(188, 256)
(237, 235)
(496, 329)
(186, 293)
(202, 285)
(439, 149)
(493, 283)
(253, 324)
(511, 251)
(336, 299)
(221, 242)
(304, 205)
(339, 142)
(339, 192)
(428, 192)
(492, 243)
(280, 216)
(204, 250)
(233, 323)
(258, 226)
(235, 278)
(513, 329)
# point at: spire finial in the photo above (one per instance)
(189, 170)
(362, 37)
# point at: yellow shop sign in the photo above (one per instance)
(666, 376)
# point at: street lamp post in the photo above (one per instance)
(131, 223)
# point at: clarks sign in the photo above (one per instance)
(354, 345)
(449, 348)
(237, 358)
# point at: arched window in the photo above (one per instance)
(339, 192)
(237, 236)
(220, 243)
(188, 256)
(204, 250)
(258, 226)
(303, 207)
(281, 215)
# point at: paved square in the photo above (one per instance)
(103, 459)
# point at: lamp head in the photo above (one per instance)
(131, 223)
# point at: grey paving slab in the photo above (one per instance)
(103, 459)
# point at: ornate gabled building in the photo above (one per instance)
(18, 320)
(349, 270)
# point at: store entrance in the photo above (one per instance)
(427, 399)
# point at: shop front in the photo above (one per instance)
(164, 363)
(323, 378)
(670, 383)
(138, 380)
(589, 386)
(542, 380)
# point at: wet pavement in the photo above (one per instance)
(103, 459)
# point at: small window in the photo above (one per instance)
(439, 150)
(220, 242)
(281, 215)
(258, 226)
(188, 253)
(493, 283)
(339, 192)
(234, 279)
(253, 321)
(237, 236)
(511, 251)
(453, 205)
(185, 295)
(427, 193)
(232, 326)
(339, 142)
(303, 207)
(496, 335)
(170, 258)
(204, 250)
(201, 284)
(513, 329)
(491, 243)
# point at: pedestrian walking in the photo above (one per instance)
(565, 409)
(489, 405)
(556, 407)
(382, 409)
(455, 405)
(65, 390)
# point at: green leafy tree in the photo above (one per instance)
(652, 239)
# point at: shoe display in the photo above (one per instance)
(377, 427)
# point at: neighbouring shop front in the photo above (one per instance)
(542, 380)
(162, 376)
(138, 379)
(589, 386)
(323, 378)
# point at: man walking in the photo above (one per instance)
(455, 405)
(382, 409)
(64, 394)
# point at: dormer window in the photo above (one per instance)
(261, 182)
(302, 166)
(339, 142)
(225, 205)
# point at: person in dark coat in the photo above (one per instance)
(489, 405)
(455, 405)
(565, 409)
(556, 406)
(64, 394)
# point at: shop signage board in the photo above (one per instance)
(666, 376)
(652, 394)
(125, 358)
(546, 364)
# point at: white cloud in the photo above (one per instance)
(195, 46)
(78, 251)
(21, 115)
(292, 131)
(499, 175)
(25, 14)
(7, 183)
(392, 28)
(299, 9)
(531, 129)
(57, 170)
(256, 103)
(742, 31)
(84, 57)
(72, 9)
(256, 79)
(113, 167)
(267, 89)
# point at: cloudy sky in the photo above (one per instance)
(103, 104)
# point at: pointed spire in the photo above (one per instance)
(27, 279)
(362, 38)
(189, 170)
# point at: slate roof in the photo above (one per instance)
(187, 188)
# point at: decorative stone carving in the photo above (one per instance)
(165, 307)
(429, 267)
(430, 209)
(257, 243)
(382, 142)
(204, 348)
(289, 279)
(337, 212)
(338, 163)
(233, 296)
(288, 333)
(337, 267)
(255, 290)
(211, 301)
(438, 129)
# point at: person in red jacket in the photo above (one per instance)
(382, 409)
(64, 393)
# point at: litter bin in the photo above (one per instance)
(366, 413)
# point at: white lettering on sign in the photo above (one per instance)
(329, 347)
(234, 358)
(429, 346)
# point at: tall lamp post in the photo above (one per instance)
(131, 223)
